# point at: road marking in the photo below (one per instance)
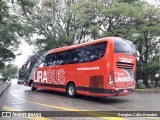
(94, 114)
(153, 118)
(9, 108)
(6, 108)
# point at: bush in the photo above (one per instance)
(140, 85)
(3, 79)
(158, 88)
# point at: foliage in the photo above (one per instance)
(3, 80)
(9, 33)
(140, 85)
(60, 23)
(9, 70)
(147, 42)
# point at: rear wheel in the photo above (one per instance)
(32, 87)
(71, 90)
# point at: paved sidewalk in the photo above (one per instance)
(3, 87)
(147, 90)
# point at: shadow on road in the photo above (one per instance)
(103, 100)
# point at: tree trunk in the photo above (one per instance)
(146, 80)
(156, 82)
(146, 57)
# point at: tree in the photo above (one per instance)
(147, 41)
(9, 33)
(51, 21)
(74, 21)
(9, 70)
(57, 23)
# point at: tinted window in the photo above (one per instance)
(40, 61)
(124, 46)
(50, 60)
(87, 53)
(21, 74)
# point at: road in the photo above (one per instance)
(21, 98)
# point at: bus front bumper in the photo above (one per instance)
(114, 92)
(122, 92)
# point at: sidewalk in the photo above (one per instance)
(147, 90)
(3, 87)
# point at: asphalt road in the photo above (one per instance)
(21, 98)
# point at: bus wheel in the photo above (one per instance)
(71, 90)
(32, 87)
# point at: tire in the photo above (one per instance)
(32, 87)
(71, 90)
(18, 83)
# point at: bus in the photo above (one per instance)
(103, 67)
(20, 75)
(25, 71)
(34, 60)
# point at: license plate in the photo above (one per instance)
(125, 90)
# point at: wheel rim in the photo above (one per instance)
(71, 90)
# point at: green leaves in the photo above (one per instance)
(29, 3)
(9, 34)
(8, 70)
(2, 65)
(61, 23)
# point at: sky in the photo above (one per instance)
(26, 50)
(154, 2)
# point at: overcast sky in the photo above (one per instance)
(26, 51)
(155, 2)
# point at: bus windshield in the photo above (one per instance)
(124, 46)
(21, 74)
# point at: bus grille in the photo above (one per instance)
(124, 65)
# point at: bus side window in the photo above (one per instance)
(84, 54)
(97, 51)
(65, 58)
(59, 59)
(50, 60)
(53, 60)
(87, 53)
(73, 56)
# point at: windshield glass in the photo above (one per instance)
(40, 61)
(124, 46)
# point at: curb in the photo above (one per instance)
(3, 88)
(146, 90)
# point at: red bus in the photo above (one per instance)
(103, 67)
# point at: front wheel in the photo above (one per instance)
(32, 87)
(71, 90)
